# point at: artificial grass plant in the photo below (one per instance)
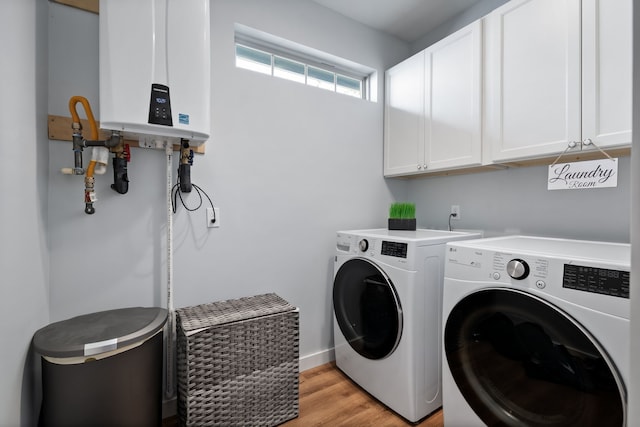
(402, 210)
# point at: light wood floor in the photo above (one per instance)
(329, 398)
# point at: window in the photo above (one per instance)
(262, 53)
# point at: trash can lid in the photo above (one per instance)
(96, 333)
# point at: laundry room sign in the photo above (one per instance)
(583, 175)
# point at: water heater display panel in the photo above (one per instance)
(395, 249)
(160, 105)
(596, 280)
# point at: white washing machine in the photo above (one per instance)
(387, 297)
(536, 332)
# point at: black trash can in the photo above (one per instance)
(103, 369)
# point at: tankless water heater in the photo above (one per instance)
(155, 69)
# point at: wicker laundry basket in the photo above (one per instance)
(238, 362)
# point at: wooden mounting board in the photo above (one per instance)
(59, 129)
(88, 5)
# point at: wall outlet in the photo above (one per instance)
(455, 211)
(213, 221)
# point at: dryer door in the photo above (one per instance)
(367, 308)
(518, 360)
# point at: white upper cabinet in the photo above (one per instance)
(433, 118)
(529, 80)
(532, 77)
(606, 72)
(404, 117)
(453, 108)
(557, 71)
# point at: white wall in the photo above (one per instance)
(287, 164)
(23, 234)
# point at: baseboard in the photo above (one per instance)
(170, 406)
(316, 359)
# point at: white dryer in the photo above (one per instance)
(387, 297)
(536, 332)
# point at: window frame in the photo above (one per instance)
(252, 39)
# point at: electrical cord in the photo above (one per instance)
(176, 192)
(453, 215)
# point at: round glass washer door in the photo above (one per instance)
(520, 361)
(367, 308)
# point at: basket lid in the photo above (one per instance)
(199, 317)
(96, 333)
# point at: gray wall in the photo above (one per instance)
(23, 231)
(478, 10)
(634, 387)
(287, 164)
(517, 201)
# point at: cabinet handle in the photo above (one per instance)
(419, 167)
(570, 145)
(587, 141)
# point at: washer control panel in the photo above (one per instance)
(594, 275)
(536, 271)
(391, 251)
(596, 280)
(394, 249)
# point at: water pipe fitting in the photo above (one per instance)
(89, 195)
(77, 154)
(184, 169)
(78, 144)
(120, 160)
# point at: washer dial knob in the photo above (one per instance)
(518, 269)
(364, 245)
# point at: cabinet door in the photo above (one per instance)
(404, 117)
(453, 117)
(606, 72)
(533, 78)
